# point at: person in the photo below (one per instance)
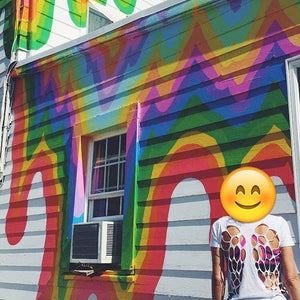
(259, 259)
(251, 248)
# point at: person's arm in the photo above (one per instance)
(290, 276)
(217, 279)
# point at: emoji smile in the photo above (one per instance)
(247, 206)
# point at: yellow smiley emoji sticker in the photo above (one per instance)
(248, 194)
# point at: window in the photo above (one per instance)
(106, 178)
(97, 20)
(293, 84)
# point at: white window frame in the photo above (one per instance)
(293, 83)
(90, 197)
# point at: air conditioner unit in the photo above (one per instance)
(96, 242)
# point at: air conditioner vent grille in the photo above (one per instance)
(114, 235)
(85, 241)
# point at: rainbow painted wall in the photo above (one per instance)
(201, 89)
(32, 27)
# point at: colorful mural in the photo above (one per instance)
(8, 7)
(33, 24)
(201, 89)
(78, 10)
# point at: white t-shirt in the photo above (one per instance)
(252, 253)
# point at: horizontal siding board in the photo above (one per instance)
(49, 160)
(20, 260)
(2, 67)
(222, 131)
(172, 297)
(185, 285)
(153, 153)
(26, 277)
(61, 21)
(81, 98)
(197, 207)
(52, 185)
(93, 104)
(126, 88)
(34, 206)
(127, 76)
(29, 242)
(209, 112)
(54, 139)
(62, 121)
(58, 38)
(188, 260)
(35, 223)
(181, 259)
(154, 157)
(23, 161)
(192, 234)
(161, 201)
(148, 180)
(25, 292)
(205, 99)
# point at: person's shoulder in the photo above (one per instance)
(216, 231)
(275, 219)
(282, 227)
(221, 221)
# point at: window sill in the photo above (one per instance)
(106, 276)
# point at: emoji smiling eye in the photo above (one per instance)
(240, 189)
(256, 189)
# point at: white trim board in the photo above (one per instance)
(292, 65)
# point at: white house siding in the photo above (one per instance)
(187, 263)
(20, 264)
(64, 30)
(4, 61)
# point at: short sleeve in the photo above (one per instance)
(285, 236)
(215, 240)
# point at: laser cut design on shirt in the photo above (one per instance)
(266, 254)
(232, 244)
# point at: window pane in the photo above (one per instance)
(98, 180)
(298, 75)
(122, 205)
(123, 145)
(99, 153)
(99, 208)
(108, 176)
(113, 206)
(113, 148)
(112, 177)
(97, 20)
(122, 176)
